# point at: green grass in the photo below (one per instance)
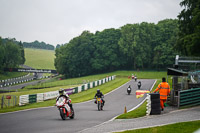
(182, 127)
(143, 74)
(139, 112)
(9, 75)
(40, 59)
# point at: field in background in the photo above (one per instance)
(39, 59)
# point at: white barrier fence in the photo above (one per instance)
(51, 95)
(25, 99)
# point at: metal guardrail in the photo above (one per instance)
(188, 98)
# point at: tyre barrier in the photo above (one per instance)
(153, 104)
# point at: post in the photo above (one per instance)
(2, 102)
(179, 98)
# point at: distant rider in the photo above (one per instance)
(139, 84)
(129, 87)
(62, 93)
(99, 95)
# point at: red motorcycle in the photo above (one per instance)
(64, 108)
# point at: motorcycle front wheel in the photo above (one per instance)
(62, 114)
(99, 106)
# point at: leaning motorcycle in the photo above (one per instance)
(64, 108)
(99, 104)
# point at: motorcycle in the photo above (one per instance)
(99, 104)
(139, 85)
(135, 78)
(65, 109)
(129, 90)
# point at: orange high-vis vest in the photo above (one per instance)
(164, 90)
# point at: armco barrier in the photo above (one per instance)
(189, 97)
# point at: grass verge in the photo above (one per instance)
(139, 112)
(182, 127)
(9, 75)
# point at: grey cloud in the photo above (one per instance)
(58, 21)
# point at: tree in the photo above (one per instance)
(22, 53)
(127, 43)
(164, 54)
(2, 55)
(73, 59)
(106, 54)
(189, 26)
(13, 55)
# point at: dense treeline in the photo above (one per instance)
(189, 28)
(11, 53)
(38, 45)
(132, 47)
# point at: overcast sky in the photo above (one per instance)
(58, 21)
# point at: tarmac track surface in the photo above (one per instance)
(47, 120)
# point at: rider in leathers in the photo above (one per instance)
(99, 95)
(63, 93)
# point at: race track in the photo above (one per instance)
(47, 120)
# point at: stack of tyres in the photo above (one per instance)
(155, 103)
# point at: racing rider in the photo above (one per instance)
(99, 95)
(63, 93)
